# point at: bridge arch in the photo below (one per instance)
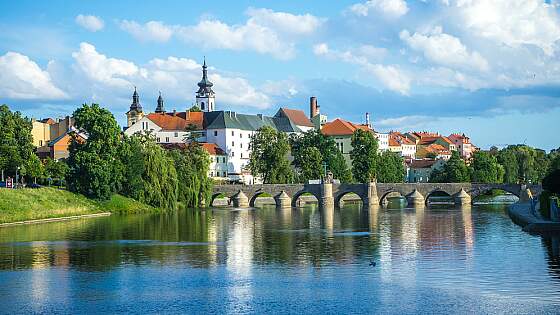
(219, 195)
(383, 200)
(259, 194)
(300, 193)
(338, 202)
(440, 192)
(477, 194)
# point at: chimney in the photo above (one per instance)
(174, 112)
(313, 107)
(367, 121)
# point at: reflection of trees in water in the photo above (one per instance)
(552, 244)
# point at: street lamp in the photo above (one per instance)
(17, 169)
(325, 170)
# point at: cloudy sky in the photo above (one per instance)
(488, 68)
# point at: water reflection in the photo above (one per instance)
(467, 250)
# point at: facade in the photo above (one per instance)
(419, 171)
(400, 143)
(383, 141)
(51, 137)
(463, 144)
(57, 148)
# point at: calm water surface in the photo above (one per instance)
(447, 260)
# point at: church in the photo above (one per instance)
(226, 135)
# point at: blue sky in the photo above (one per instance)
(488, 68)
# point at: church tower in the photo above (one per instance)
(135, 112)
(205, 96)
(160, 109)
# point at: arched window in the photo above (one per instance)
(202, 105)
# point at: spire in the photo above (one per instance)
(160, 108)
(204, 86)
(135, 102)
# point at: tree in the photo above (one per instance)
(92, 162)
(364, 156)
(192, 164)
(194, 108)
(454, 171)
(485, 168)
(33, 168)
(55, 170)
(16, 141)
(312, 164)
(507, 158)
(554, 160)
(269, 156)
(150, 175)
(329, 153)
(390, 168)
(551, 182)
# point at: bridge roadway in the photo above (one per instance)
(327, 194)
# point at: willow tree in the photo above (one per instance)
(192, 164)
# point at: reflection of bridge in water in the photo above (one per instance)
(328, 195)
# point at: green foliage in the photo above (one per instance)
(554, 160)
(485, 168)
(269, 156)
(523, 164)
(454, 171)
(33, 168)
(364, 156)
(507, 158)
(390, 168)
(92, 162)
(312, 164)
(194, 108)
(328, 150)
(16, 142)
(544, 206)
(55, 169)
(192, 164)
(150, 175)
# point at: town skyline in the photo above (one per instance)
(399, 72)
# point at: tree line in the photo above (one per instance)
(312, 154)
(109, 162)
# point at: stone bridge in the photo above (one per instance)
(286, 195)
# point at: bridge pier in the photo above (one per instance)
(283, 200)
(415, 199)
(240, 200)
(371, 198)
(462, 198)
(327, 198)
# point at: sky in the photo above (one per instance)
(486, 68)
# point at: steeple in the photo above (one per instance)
(205, 94)
(135, 102)
(160, 108)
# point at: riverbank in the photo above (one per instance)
(521, 214)
(18, 205)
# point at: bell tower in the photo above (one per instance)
(135, 113)
(205, 96)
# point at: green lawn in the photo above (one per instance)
(31, 204)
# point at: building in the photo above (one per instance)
(419, 171)
(433, 151)
(318, 119)
(229, 131)
(51, 137)
(218, 168)
(341, 131)
(400, 143)
(463, 144)
(57, 148)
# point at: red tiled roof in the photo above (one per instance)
(421, 163)
(341, 127)
(212, 148)
(297, 116)
(177, 121)
(393, 142)
(437, 148)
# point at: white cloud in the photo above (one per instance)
(98, 68)
(175, 77)
(22, 78)
(91, 23)
(390, 8)
(404, 123)
(390, 76)
(444, 49)
(151, 31)
(513, 22)
(283, 22)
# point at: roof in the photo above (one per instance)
(422, 163)
(437, 148)
(49, 121)
(341, 127)
(177, 121)
(212, 148)
(297, 116)
(396, 139)
(233, 120)
(455, 137)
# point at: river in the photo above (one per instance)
(349, 260)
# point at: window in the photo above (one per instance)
(40, 143)
(202, 105)
(158, 140)
(176, 134)
(233, 133)
(342, 147)
(215, 133)
(241, 145)
(241, 154)
(224, 159)
(211, 174)
(233, 144)
(225, 174)
(232, 153)
(240, 135)
(166, 139)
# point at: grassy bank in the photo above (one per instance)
(33, 204)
